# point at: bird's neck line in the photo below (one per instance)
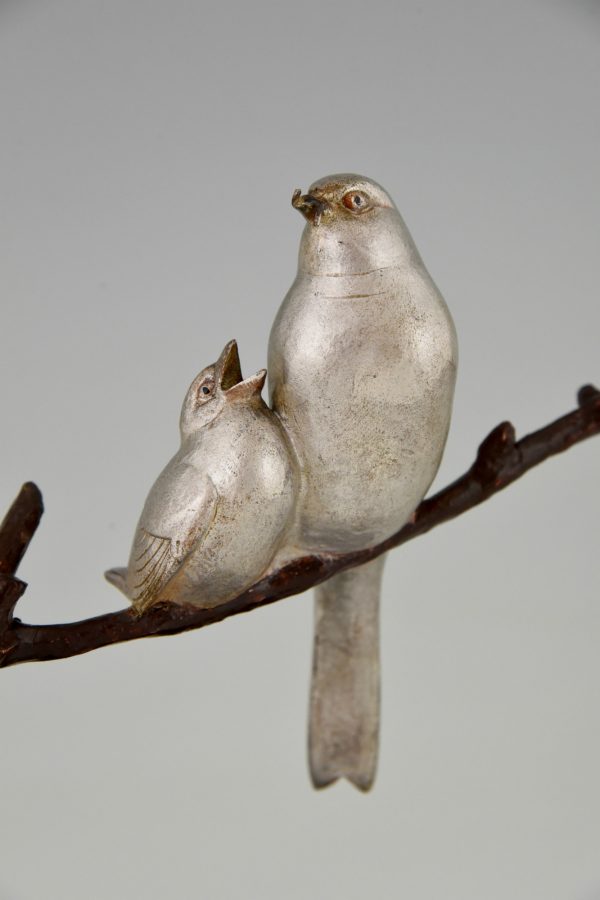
(376, 271)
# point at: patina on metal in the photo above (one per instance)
(362, 366)
(222, 508)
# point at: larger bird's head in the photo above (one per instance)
(352, 227)
(217, 387)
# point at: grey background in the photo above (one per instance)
(148, 153)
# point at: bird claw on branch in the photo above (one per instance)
(500, 460)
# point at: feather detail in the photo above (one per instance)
(153, 566)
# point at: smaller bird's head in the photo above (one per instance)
(353, 227)
(217, 387)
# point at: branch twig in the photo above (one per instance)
(500, 460)
(19, 526)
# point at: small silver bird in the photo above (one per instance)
(362, 365)
(221, 509)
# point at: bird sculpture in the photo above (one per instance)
(362, 365)
(219, 512)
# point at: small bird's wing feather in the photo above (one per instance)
(153, 565)
(157, 557)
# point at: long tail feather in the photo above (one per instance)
(344, 701)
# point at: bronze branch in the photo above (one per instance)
(500, 460)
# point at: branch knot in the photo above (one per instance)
(11, 590)
(495, 453)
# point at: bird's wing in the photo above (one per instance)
(157, 557)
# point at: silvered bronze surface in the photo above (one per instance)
(362, 365)
(220, 510)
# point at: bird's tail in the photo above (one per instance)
(344, 700)
(118, 577)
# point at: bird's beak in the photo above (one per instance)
(228, 369)
(311, 207)
(249, 388)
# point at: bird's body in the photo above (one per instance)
(220, 510)
(362, 364)
(365, 395)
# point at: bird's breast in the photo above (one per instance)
(362, 371)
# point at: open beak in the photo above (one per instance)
(311, 207)
(229, 371)
(249, 388)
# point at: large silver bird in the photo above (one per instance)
(221, 509)
(362, 365)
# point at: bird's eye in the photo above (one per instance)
(204, 391)
(356, 201)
